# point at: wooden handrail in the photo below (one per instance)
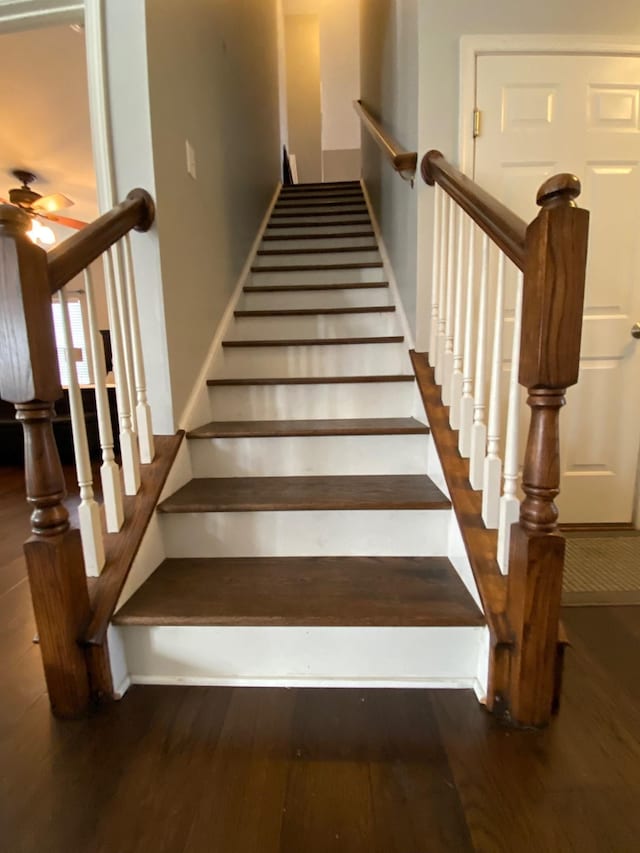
(404, 162)
(551, 251)
(70, 257)
(506, 229)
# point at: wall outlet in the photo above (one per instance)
(191, 159)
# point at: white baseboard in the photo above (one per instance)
(196, 410)
(338, 683)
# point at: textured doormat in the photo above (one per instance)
(602, 570)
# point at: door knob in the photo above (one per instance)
(635, 330)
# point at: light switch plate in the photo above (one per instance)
(191, 159)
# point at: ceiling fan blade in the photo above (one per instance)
(51, 203)
(64, 220)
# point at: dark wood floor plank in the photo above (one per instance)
(255, 494)
(345, 426)
(332, 591)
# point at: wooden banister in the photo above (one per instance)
(29, 379)
(404, 162)
(506, 229)
(551, 252)
(74, 254)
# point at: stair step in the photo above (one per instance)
(333, 223)
(344, 285)
(315, 342)
(354, 591)
(320, 202)
(362, 265)
(319, 185)
(312, 380)
(335, 235)
(308, 312)
(266, 494)
(356, 210)
(289, 428)
(325, 250)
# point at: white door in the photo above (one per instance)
(542, 114)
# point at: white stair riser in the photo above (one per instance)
(311, 257)
(383, 532)
(296, 361)
(277, 300)
(290, 656)
(352, 208)
(311, 244)
(351, 400)
(323, 276)
(344, 217)
(338, 455)
(314, 326)
(294, 228)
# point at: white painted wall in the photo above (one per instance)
(339, 67)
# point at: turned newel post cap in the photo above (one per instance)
(559, 190)
(425, 166)
(147, 209)
(13, 220)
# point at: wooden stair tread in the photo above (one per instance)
(345, 285)
(320, 213)
(342, 426)
(309, 312)
(264, 494)
(320, 184)
(331, 236)
(320, 203)
(332, 223)
(314, 342)
(360, 265)
(314, 380)
(330, 591)
(324, 250)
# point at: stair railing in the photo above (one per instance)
(403, 162)
(494, 276)
(60, 557)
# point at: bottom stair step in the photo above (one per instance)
(326, 591)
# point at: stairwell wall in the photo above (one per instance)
(389, 88)
(213, 80)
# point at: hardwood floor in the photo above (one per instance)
(221, 770)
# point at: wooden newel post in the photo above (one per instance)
(29, 378)
(554, 277)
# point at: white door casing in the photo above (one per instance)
(543, 113)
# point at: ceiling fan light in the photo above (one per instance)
(40, 233)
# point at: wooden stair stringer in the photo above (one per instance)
(480, 543)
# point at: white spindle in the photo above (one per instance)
(509, 503)
(492, 462)
(442, 290)
(479, 428)
(143, 410)
(455, 393)
(447, 358)
(466, 403)
(435, 279)
(120, 281)
(128, 439)
(88, 511)
(109, 470)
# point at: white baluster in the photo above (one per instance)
(88, 511)
(509, 503)
(455, 394)
(442, 297)
(479, 428)
(435, 280)
(447, 358)
(128, 439)
(143, 410)
(492, 462)
(119, 270)
(109, 470)
(466, 404)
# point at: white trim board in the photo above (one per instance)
(472, 46)
(197, 405)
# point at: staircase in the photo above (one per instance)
(310, 546)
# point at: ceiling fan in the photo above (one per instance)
(39, 205)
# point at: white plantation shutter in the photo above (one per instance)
(76, 322)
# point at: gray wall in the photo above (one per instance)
(213, 79)
(389, 88)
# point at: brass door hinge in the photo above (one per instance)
(476, 122)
